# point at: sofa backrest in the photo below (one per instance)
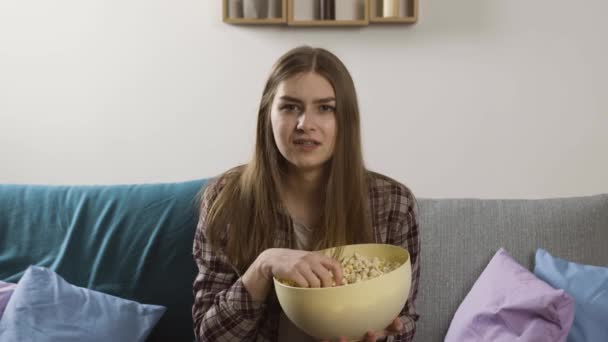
(131, 241)
(460, 236)
(135, 242)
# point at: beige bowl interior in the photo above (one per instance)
(351, 310)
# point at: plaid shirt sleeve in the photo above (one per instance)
(223, 309)
(404, 232)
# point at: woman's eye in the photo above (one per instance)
(289, 108)
(327, 109)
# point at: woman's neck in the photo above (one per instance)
(305, 185)
(303, 194)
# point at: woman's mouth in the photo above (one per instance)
(306, 145)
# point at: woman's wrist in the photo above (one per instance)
(257, 278)
(262, 266)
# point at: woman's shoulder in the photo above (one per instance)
(390, 192)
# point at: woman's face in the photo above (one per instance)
(303, 117)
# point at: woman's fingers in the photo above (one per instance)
(370, 337)
(395, 327)
(312, 279)
(323, 274)
(299, 279)
(308, 269)
(334, 267)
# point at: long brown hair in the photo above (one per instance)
(243, 218)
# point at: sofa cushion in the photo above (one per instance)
(6, 290)
(460, 236)
(588, 285)
(131, 241)
(509, 303)
(46, 308)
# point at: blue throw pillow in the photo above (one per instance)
(44, 308)
(589, 287)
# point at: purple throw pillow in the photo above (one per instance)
(6, 290)
(509, 303)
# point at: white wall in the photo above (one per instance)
(481, 98)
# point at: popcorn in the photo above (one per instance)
(357, 267)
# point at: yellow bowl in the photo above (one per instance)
(350, 310)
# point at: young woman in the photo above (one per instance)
(306, 188)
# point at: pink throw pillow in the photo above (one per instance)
(509, 303)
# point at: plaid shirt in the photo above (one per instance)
(223, 310)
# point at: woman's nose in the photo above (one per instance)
(305, 122)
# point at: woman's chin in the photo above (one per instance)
(307, 166)
(307, 162)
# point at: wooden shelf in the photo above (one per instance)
(363, 13)
(363, 19)
(396, 20)
(329, 23)
(253, 21)
(408, 15)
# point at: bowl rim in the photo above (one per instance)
(408, 259)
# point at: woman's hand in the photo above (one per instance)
(306, 269)
(393, 329)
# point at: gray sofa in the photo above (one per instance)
(135, 242)
(460, 236)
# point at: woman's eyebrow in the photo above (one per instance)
(293, 99)
(325, 100)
